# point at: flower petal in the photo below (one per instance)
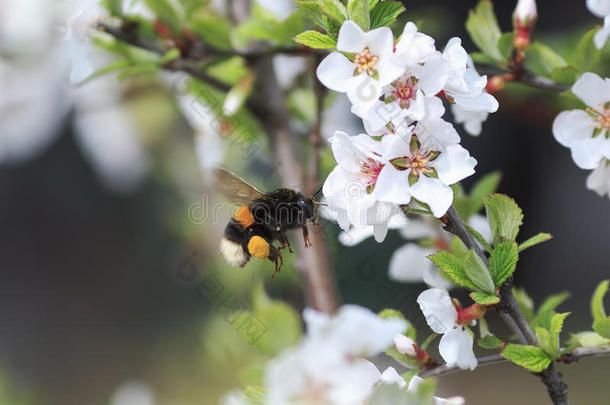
(392, 186)
(438, 309)
(409, 262)
(593, 90)
(454, 164)
(602, 35)
(434, 193)
(455, 348)
(351, 38)
(572, 126)
(335, 72)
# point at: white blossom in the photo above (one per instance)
(601, 8)
(326, 367)
(414, 47)
(404, 345)
(599, 179)
(472, 120)
(412, 169)
(585, 132)
(374, 65)
(441, 315)
(525, 12)
(347, 188)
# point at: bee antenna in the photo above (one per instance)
(318, 192)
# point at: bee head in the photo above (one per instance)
(306, 204)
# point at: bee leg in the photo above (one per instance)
(276, 257)
(306, 237)
(285, 242)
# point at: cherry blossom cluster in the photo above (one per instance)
(587, 132)
(330, 366)
(409, 153)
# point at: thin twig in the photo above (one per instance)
(525, 77)
(550, 377)
(570, 357)
(444, 369)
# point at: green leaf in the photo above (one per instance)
(272, 325)
(286, 30)
(385, 13)
(557, 325)
(535, 240)
(477, 272)
(530, 357)
(115, 7)
(553, 301)
(138, 70)
(490, 342)
(589, 339)
(165, 12)
(359, 13)
(587, 55)
(544, 319)
(335, 9)
(483, 29)
(391, 394)
(214, 30)
(170, 55)
(525, 302)
(602, 326)
(255, 393)
(451, 265)
(113, 67)
(315, 40)
(565, 75)
(545, 340)
(311, 9)
(482, 188)
(503, 262)
(504, 216)
(597, 302)
(480, 57)
(505, 45)
(543, 60)
(601, 322)
(484, 298)
(479, 237)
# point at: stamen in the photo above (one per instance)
(366, 62)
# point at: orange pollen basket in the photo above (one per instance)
(366, 62)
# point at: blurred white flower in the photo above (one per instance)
(601, 8)
(441, 315)
(107, 136)
(77, 38)
(280, 8)
(327, 367)
(586, 132)
(599, 179)
(133, 393)
(404, 345)
(374, 65)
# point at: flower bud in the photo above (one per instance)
(495, 84)
(405, 345)
(471, 313)
(525, 13)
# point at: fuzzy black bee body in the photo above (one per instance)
(262, 219)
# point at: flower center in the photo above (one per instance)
(404, 91)
(601, 119)
(366, 62)
(369, 170)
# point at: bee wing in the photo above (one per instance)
(234, 188)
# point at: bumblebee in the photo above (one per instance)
(261, 220)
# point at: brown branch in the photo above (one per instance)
(315, 263)
(525, 77)
(552, 379)
(444, 369)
